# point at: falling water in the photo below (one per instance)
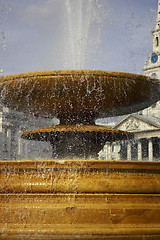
(84, 24)
(5, 8)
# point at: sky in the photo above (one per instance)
(112, 35)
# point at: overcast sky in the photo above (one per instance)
(66, 34)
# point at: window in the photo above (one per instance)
(154, 75)
(157, 41)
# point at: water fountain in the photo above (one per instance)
(74, 195)
(77, 198)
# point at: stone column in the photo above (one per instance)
(102, 155)
(19, 143)
(14, 146)
(139, 150)
(129, 146)
(8, 135)
(150, 149)
(24, 149)
(108, 151)
(104, 152)
(117, 151)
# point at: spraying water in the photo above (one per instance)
(84, 20)
(5, 8)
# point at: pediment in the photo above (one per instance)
(135, 124)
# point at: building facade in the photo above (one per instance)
(145, 125)
(152, 65)
(145, 145)
(12, 146)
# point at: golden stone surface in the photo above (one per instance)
(78, 94)
(67, 199)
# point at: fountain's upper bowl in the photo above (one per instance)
(78, 93)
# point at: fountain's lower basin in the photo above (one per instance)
(76, 141)
(49, 199)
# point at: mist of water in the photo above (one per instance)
(5, 7)
(84, 25)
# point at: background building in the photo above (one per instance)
(12, 146)
(145, 124)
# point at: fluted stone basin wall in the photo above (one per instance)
(79, 176)
(79, 200)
